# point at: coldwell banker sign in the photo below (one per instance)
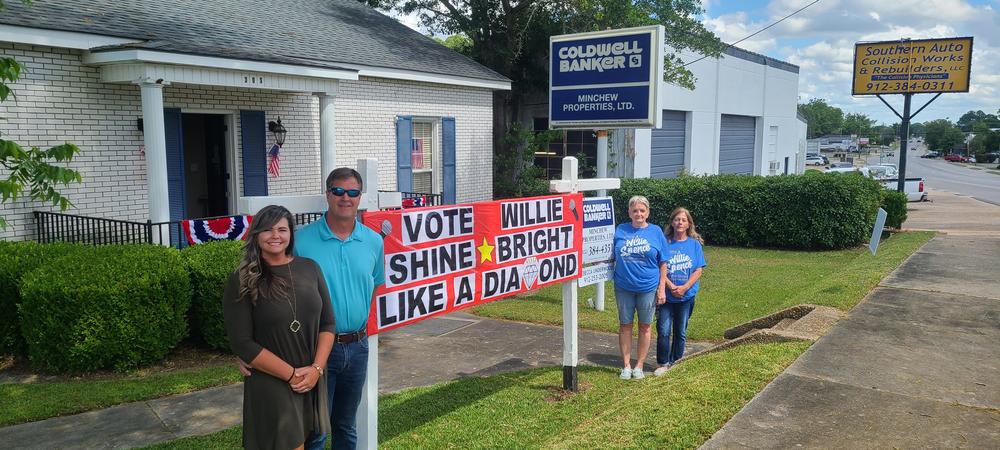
(605, 79)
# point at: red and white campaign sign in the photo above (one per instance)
(446, 258)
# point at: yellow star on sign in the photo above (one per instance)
(485, 252)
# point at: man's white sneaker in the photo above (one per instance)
(626, 374)
(637, 374)
(662, 370)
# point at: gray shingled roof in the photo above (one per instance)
(319, 33)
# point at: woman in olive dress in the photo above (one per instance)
(279, 318)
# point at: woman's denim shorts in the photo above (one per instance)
(632, 303)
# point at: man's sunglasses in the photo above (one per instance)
(339, 192)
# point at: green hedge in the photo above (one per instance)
(114, 307)
(811, 211)
(17, 259)
(894, 203)
(210, 265)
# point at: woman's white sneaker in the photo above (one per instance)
(637, 374)
(626, 374)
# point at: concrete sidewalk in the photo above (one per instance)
(957, 215)
(435, 350)
(917, 364)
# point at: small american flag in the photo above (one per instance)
(274, 166)
(418, 153)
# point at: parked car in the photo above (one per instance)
(913, 188)
(842, 165)
(955, 158)
(931, 154)
(814, 161)
(863, 170)
(882, 172)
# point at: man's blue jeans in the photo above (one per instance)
(672, 317)
(345, 379)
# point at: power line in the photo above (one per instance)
(759, 31)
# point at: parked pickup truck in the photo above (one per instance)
(914, 188)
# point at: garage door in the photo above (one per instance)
(666, 150)
(736, 144)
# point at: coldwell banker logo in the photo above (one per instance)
(600, 57)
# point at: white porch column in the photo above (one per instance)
(327, 145)
(154, 140)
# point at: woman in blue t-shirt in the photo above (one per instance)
(640, 274)
(685, 260)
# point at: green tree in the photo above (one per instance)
(969, 120)
(823, 118)
(916, 129)
(857, 123)
(985, 141)
(514, 172)
(512, 38)
(457, 42)
(942, 135)
(31, 169)
(884, 134)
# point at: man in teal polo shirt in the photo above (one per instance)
(350, 255)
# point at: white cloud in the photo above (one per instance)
(411, 20)
(820, 40)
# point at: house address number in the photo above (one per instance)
(253, 79)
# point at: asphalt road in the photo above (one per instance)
(942, 175)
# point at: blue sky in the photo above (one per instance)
(820, 40)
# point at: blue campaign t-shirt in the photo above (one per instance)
(683, 258)
(638, 254)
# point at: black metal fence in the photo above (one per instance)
(59, 227)
(53, 227)
(419, 197)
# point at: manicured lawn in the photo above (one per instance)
(28, 402)
(740, 284)
(526, 410)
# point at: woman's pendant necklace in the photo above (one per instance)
(295, 326)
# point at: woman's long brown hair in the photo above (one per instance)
(257, 280)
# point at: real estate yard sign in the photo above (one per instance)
(606, 79)
(912, 66)
(598, 240)
(442, 259)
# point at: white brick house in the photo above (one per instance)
(346, 82)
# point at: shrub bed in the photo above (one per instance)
(210, 265)
(894, 203)
(16, 259)
(109, 307)
(811, 211)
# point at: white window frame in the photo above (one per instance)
(436, 165)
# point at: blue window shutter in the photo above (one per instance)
(404, 154)
(448, 160)
(254, 140)
(177, 195)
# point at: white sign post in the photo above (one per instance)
(569, 184)
(367, 418)
(602, 172)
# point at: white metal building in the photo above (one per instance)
(206, 78)
(741, 118)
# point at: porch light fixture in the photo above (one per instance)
(278, 130)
